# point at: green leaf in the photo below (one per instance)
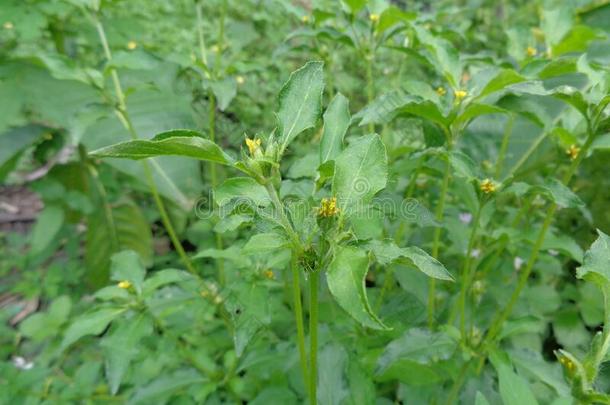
(386, 252)
(47, 227)
(127, 266)
(504, 78)
(110, 230)
(40, 326)
(332, 364)
(224, 90)
(355, 5)
(300, 101)
(474, 110)
(464, 166)
(418, 346)
(243, 189)
(480, 399)
(336, 121)
(165, 277)
(345, 277)
(596, 266)
(514, 389)
(561, 194)
(232, 253)
(265, 243)
(361, 171)
(91, 323)
(167, 384)
(175, 143)
(121, 346)
(444, 55)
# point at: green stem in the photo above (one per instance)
(440, 209)
(125, 118)
(313, 336)
(466, 273)
(504, 147)
(298, 315)
(496, 325)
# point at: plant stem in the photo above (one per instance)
(505, 138)
(466, 273)
(497, 324)
(370, 89)
(440, 209)
(298, 315)
(125, 118)
(313, 336)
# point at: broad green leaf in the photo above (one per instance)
(464, 166)
(127, 266)
(110, 230)
(345, 277)
(444, 55)
(556, 20)
(332, 366)
(514, 389)
(355, 5)
(386, 252)
(265, 243)
(241, 190)
(361, 171)
(42, 325)
(224, 90)
(300, 101)
(45, 230)
(596, 266)
(175, 143)
(234, 253)
(504, 78)
(480, 399)
(474, 110)
(121, 346)
(336, 122)
(416, 345)
(166, 385)
(91, 323)
(561, 194)
(164, 277)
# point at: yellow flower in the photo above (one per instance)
(269, 274)
(124, 284)
(487, 186)
(8, 25)
(531, 51)
(374, 17)
(460, 94)
(573, 151)
(328, 207)
(204, 293)
(441, 91)
(240, 80)
(253, 145)
(215, 49)
(305, 19)
(131, 45)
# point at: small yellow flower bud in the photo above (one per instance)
(531, 51)
(240, 80)
(305, 19)
(217, 300)
(124, 284)
(204, 293)
(269, 274)
(460, 94)
(374, 17)
(573, 152)
(253, 145)
(131, 45)
(441, 91)
(328, 207)
(8, 25)
(487, 186)
(215, 48)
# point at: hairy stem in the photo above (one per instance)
(125, 118)
(504, 146)
(298, 315)
(313, 336)
(440, 209)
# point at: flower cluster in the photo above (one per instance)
(328, 207)
(487, 186)
(460, 94)
(573, 152)
(253, 145)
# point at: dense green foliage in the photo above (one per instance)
(417, 214)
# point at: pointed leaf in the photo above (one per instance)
(596, 267)
(336, 122)
(345, 278)
(300, 101)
